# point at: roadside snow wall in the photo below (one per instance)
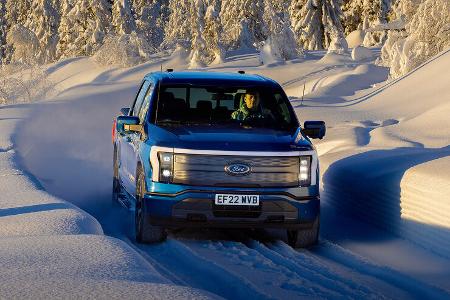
(50, 248)
(425, 199)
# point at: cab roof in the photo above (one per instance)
(212, 78)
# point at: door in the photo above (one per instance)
(136, 138)
(127, 145)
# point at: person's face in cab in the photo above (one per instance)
(251, 101)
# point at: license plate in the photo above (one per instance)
(227, 199)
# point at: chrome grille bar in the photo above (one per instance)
(209, 170)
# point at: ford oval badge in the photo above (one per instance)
(238, 169)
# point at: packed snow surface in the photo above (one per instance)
(385, 230)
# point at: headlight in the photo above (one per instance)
(304, 174)
(165, 167)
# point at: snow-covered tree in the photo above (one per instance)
(83, 27)
(150, 21)
(122, 17)
(242, 22)
(366, 15)
(211, 33)
(178, 28)
(17, 12)
(317, 23)
(124, 50)
(199, 52)
(280, 44)
(427, 34)
(24, 43)
(2, 29)
(44, 23)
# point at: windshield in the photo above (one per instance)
(261, 107)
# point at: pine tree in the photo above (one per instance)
(423, 38)
(178, 29)
(281, 39)
(2, 29)
(211, 33)
(316, 23)
(122, 17)
(44, 23)
(150, 20)
(364, 15)
(83, 27)
(198, 46)
(242, 22)
(16, 12)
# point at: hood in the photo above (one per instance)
(209, 137)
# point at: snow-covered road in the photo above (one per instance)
(66, 146)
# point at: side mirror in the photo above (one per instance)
(125, 111)
(126, 124)
(315, 129)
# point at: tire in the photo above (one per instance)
(145, 232)
(305, 238)
(116, 189)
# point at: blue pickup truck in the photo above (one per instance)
(222, 150)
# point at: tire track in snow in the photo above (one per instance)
(189, 268)
(316, 271)
(314, 72)
(292, 274)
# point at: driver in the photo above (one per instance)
(249, 108)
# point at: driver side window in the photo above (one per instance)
(139, 99)
(146, 103)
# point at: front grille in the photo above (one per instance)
(209, 170)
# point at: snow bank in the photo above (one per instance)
(403, 135)
(425, 191)
(83, 266)
(420, 101)
(333, 88)
(361, 53)
(26, 210)
(355, 38)
(51, 248)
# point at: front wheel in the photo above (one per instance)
(145, 232)
(304, 238)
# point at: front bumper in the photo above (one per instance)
(196, 208)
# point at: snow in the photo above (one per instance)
(427, 34)
(83, 265)
(49, 246)
(361, 53)
(424, 199)
(384, 165)
(355, 38)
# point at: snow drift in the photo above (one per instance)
(371, 182)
